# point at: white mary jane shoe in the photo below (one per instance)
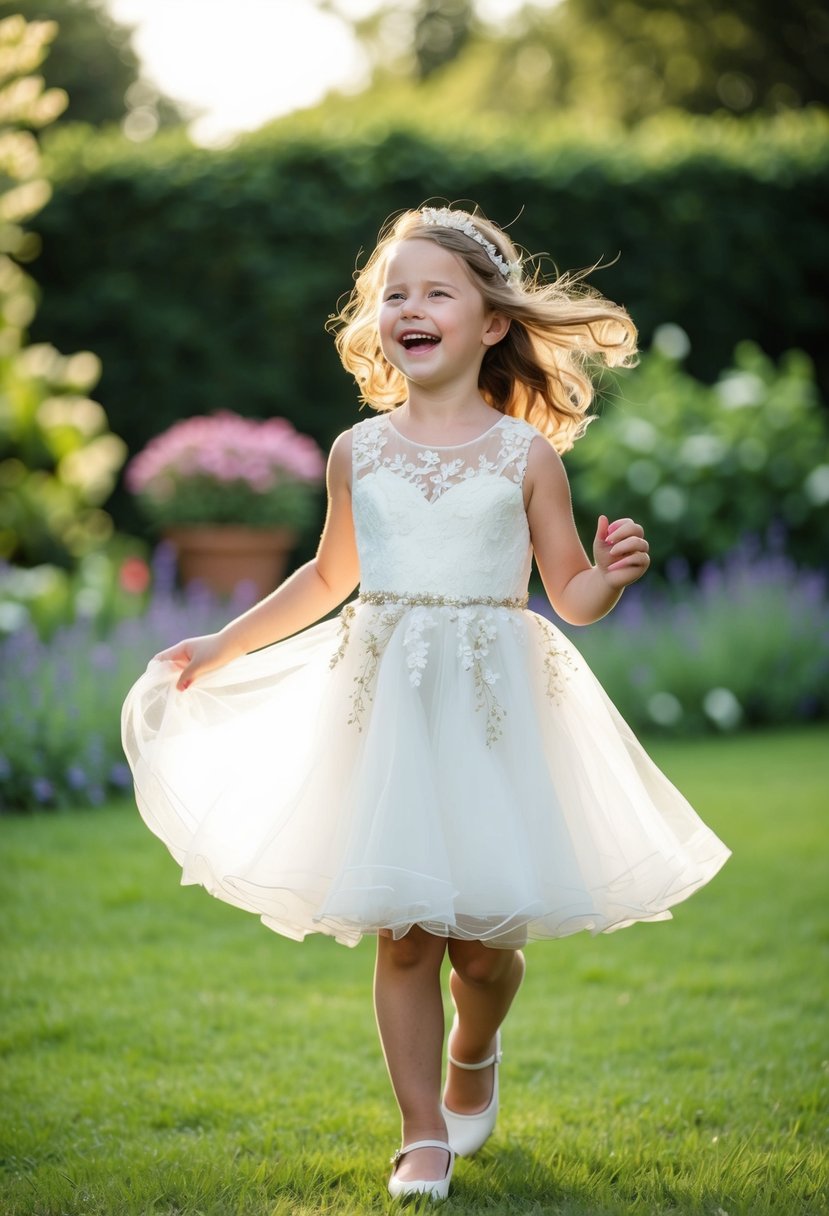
(467, 1133)
(437, 1188)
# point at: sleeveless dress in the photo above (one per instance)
(436, 755)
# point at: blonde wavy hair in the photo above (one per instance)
(560, 333)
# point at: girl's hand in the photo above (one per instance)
(621, 551)
(196, 656)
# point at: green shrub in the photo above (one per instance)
(703, 466)
(204, 278)
(103, 588)
(58, 459)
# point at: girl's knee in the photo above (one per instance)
(479, 965)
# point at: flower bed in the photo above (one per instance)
(60, 740)
(746, 645)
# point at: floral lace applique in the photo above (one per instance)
(501, 451)
(367, 442)
(374, 642)
(477, 630)
(415, 645)
(515, 448)
(556, 664)
(483, 466)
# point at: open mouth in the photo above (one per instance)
(415, 341)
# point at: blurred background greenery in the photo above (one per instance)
(683, 145)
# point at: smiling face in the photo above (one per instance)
(434, 326)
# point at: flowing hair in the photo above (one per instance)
(560, 333)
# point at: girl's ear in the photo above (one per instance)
(496, 329)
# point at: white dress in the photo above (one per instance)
(436, 756)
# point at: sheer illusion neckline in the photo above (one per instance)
(445, 447)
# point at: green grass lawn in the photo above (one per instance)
(164, 1053)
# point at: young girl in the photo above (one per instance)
(437, 766)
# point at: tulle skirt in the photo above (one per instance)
(380, 771)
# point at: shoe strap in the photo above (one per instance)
(409, 1148)
(493, 1059)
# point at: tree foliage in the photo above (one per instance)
(608, 60)
(632, 58)
(703, 467)
(58, 459)
(441, 30)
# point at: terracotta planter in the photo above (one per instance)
(223, 555)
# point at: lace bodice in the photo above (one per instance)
(444, 521)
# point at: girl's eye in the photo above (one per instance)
(401, 295)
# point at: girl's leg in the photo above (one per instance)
(410, 1018)
(483, 983)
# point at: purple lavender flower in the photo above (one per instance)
(96, 747)
(120, 775)
(677, 570)
(102, 657)
(630, 612)
(76, 778)
(164, 565)
(43, 790)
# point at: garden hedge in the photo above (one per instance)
(203, 278)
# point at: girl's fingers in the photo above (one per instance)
(621, 528)
(625, 549)
(636, 560)
(173, 654)
(190, 672)
(633, 544)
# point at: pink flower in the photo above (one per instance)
(257, 469)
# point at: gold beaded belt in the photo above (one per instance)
(441, 601)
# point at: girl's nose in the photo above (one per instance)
(411, 308)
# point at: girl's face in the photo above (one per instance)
(434, 325)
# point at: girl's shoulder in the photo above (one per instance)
(517, 437)
(517, 441)
(357, 435)
(520, 427)
(368, 437)
(368, 426)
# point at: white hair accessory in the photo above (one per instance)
(442, 217)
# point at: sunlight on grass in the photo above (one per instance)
(164, 1053)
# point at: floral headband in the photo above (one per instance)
(442, 217)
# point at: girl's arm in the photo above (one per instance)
(580, 592)
(309, 594)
